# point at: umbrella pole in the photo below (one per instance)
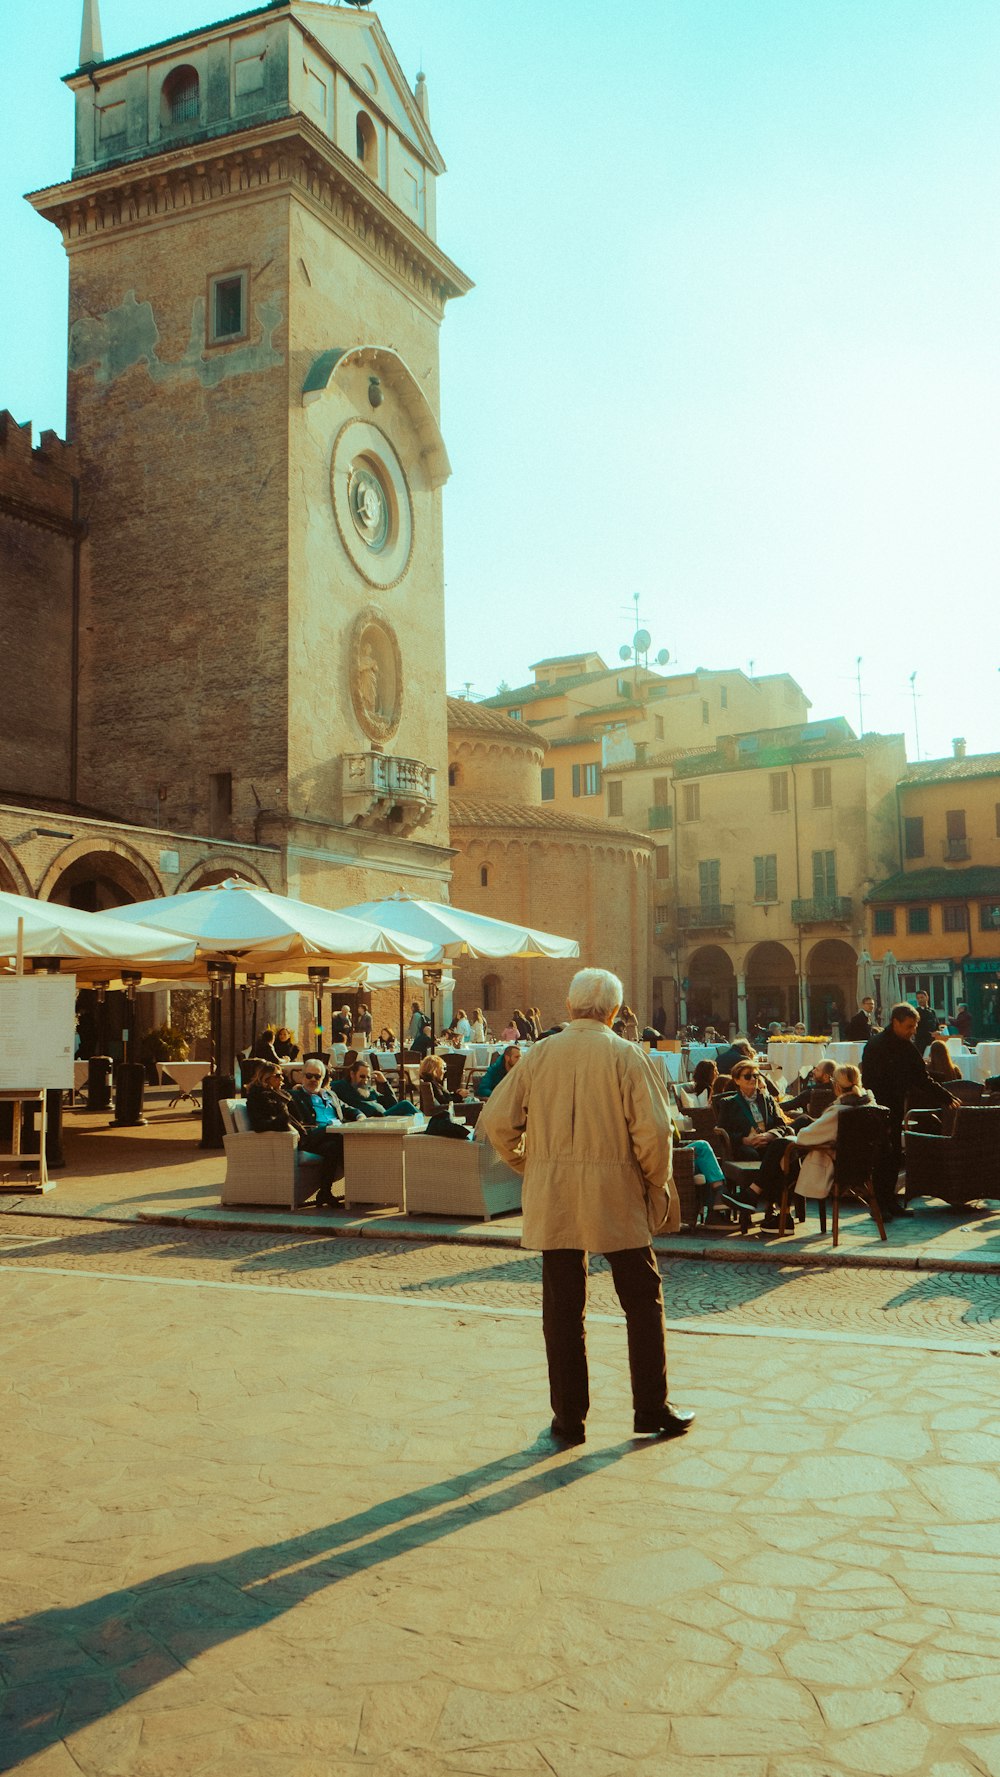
(20, 948)
(402, 1039)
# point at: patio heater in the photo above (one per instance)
(100, 1065)
(432, 981)
(130, 1079)
(216, 1085)
(318, 978)
(254, 984)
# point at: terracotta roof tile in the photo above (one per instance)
(474, 718)
(467, 813)
(935, 771)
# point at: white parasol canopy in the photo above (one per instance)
(90, 945)
(866, 977)
(454, 933)
(890, 989)
(260, 931)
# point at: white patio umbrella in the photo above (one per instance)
(93, 946)
(890, 987)
(238, 924)
(866, 977)
(455, 933)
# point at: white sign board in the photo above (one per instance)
(37, 1029)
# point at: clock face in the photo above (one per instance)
(371, 503)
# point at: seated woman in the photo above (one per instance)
(368, 1091)
(497, 1069)
(386, 1040)
(758, 1130)
(285, 1045)
(939, 1062)
(433, 1074)
(313, 1115)
(702, 1084)
(819, 1140)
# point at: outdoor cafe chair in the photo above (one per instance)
(959, 1164)
(862, 1132)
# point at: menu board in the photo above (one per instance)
(37, 1029)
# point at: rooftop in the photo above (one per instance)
(938, 885)
(466, 813)
(942, 771)
(473, 718)
(526, 693)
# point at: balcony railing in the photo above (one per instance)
(827, 910)
(717, 917)
(957, 851)
(381, 790)
(660, 820)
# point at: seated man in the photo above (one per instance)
(496, 1070)
(758, 1130)
(818, 1077)
(269, 1107)
(371, 1095)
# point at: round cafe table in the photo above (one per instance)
(793, 1059)
(845, 1054)
(667, 1063)
(988, 1059)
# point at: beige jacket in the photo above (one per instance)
(820, 1138)
(585, 1119)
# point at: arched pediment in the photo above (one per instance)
(391, 370)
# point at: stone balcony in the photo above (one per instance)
(831, 910)
(383, 791)
(712, 916)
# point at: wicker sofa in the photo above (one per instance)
(457, 1178)
(960, 1160)
(264, 1168)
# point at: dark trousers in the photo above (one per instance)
(564, 1307)
(330, 1148)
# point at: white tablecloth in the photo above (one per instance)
(701, 1052)
(988, 1060)
(477, 1055)
(845, 1054)
(793, 1059)
(667, 1062)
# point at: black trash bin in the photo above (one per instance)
(130, 1085)
(99, 1083)
(214, 1087)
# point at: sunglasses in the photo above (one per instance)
(312, 1076)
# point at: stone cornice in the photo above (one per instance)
(26, 512)
(290, 154)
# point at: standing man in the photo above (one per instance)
(893, 1069)
(586, 1121)
(927, 1022)
(862, 1025)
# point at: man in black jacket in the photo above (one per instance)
(894, 1070)
(927, 1022)
(862, 1025)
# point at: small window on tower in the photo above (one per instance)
(180, 98)
(227, 307)
(367, 144)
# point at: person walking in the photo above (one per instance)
(586, 1121)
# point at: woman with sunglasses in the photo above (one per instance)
(758, 1130)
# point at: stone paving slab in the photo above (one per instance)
(269, 1533)
(158, 1173)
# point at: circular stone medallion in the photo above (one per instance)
(371, 503)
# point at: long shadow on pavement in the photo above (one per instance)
(97, 1656)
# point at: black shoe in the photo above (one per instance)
(669, 1422)
(741, 1197)
(568, 1434)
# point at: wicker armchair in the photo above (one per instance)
(458, 1178)
(264, 1168)
(959, 1166)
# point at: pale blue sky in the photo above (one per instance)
(734, 343)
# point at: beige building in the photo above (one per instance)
(766, 847)
(517, 858)
(223, 598)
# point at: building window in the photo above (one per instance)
(658, 735)
(615, 798)
(491, 993)
(692, 802)
(548, 783)
(227, 308)
(989, 917)
(955, 918)
(484, 876)
(824, 875)
(779, 792)
(913, 835)
(956, 845)
(724, 697)
(661, 792)
(586, 780)
(884, 922)
(220, 804)
(822, 787)
(662, 863)
(180, 98)
(998, 819)
(367, 144)
(765, 878)
(452, 776)
(918, 920)
(709, 879)
(514, 716)
(661, 913)
(705, 716)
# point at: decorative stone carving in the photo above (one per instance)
(376, 668)
(371, 503)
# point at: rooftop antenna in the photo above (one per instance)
(861, 706)
(641, 644)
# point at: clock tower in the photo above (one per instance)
(256, 293)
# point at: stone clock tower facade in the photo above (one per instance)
(256, 294)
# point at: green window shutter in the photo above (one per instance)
(576, 780)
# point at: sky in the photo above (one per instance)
(734, 345)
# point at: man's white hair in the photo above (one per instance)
(593, 993)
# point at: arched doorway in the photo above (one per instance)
(98, 880)
(711, 994)
(772, 986)
(832, 973)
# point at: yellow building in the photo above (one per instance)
(520, 859)
(766, 848)
(939, 910)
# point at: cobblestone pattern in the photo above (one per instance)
(941, 1307)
